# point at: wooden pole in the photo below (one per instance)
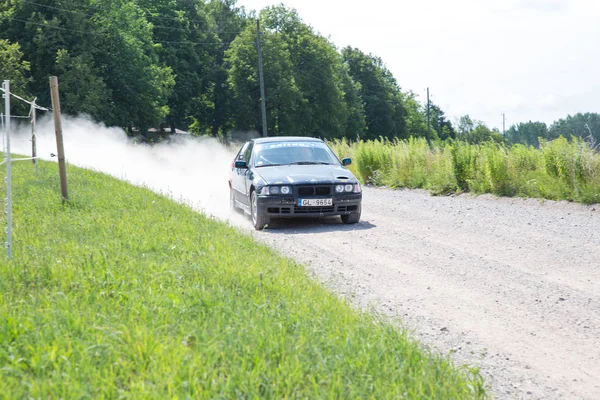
(263, 105)
(62, 168)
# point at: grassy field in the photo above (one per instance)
(124, 293)
(558, 170)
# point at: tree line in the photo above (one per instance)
(193, 65)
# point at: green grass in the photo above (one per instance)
(124, 293)
(558, 170)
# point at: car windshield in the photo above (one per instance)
(299, 152)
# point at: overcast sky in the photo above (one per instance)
(531, 59)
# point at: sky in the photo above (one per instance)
(533, 60)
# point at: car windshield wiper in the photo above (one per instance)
(270, 165)
(310, 163)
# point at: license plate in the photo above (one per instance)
(315, 202)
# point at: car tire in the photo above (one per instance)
(258, 220)
(351, 218)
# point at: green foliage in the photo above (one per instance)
(13, 68)
(383, 101)
(123, 293)
(108, 45)
(580, 125)
(559, 170)
(492, 171)
(193, 65)
(585, 126)
(82, 89)
(528, 133)
(464, 158)
(308, 90)
(476, 132)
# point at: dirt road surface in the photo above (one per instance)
(510, 285)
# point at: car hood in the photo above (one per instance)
(305, 174)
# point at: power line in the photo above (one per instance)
(49, 26)
(101, 33)
(154, 26)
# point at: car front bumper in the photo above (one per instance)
(287, 206)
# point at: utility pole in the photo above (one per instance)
(262, 81)
(62, 168)
(428, 121)
(8, 161)
(503, 125)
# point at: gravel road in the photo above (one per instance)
(510, 285)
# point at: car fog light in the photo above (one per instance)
(349, 188)
(339, 188)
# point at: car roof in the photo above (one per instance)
(286, 139)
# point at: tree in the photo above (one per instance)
(109, 44)
(14, 69)
(318, 74)
(442, 127)
(308, 89)
(182, 33)
(473, 131)
(581, 125)
(282, 94)
(416, 115)
(381, 95)
(528, 133)
(82, 88)
(228, 21)
(139, 83)
(356, 123)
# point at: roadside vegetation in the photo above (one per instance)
(124, 293)
(560, 169)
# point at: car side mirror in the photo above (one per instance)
(241, 164)
(346, 161)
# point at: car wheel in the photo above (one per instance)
(351, 218)
(258, 220)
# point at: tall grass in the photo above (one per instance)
(559, 170)
(122, 293)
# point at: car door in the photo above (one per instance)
(240, 175)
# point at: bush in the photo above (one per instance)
(559, 170)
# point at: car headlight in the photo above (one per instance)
(339, 188)
(349, 188)
(275, 190)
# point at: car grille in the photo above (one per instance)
(308, 191)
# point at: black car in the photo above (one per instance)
(291, 177)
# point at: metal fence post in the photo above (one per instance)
(33, 136)
(8, 199)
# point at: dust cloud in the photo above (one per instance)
(187, 169)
